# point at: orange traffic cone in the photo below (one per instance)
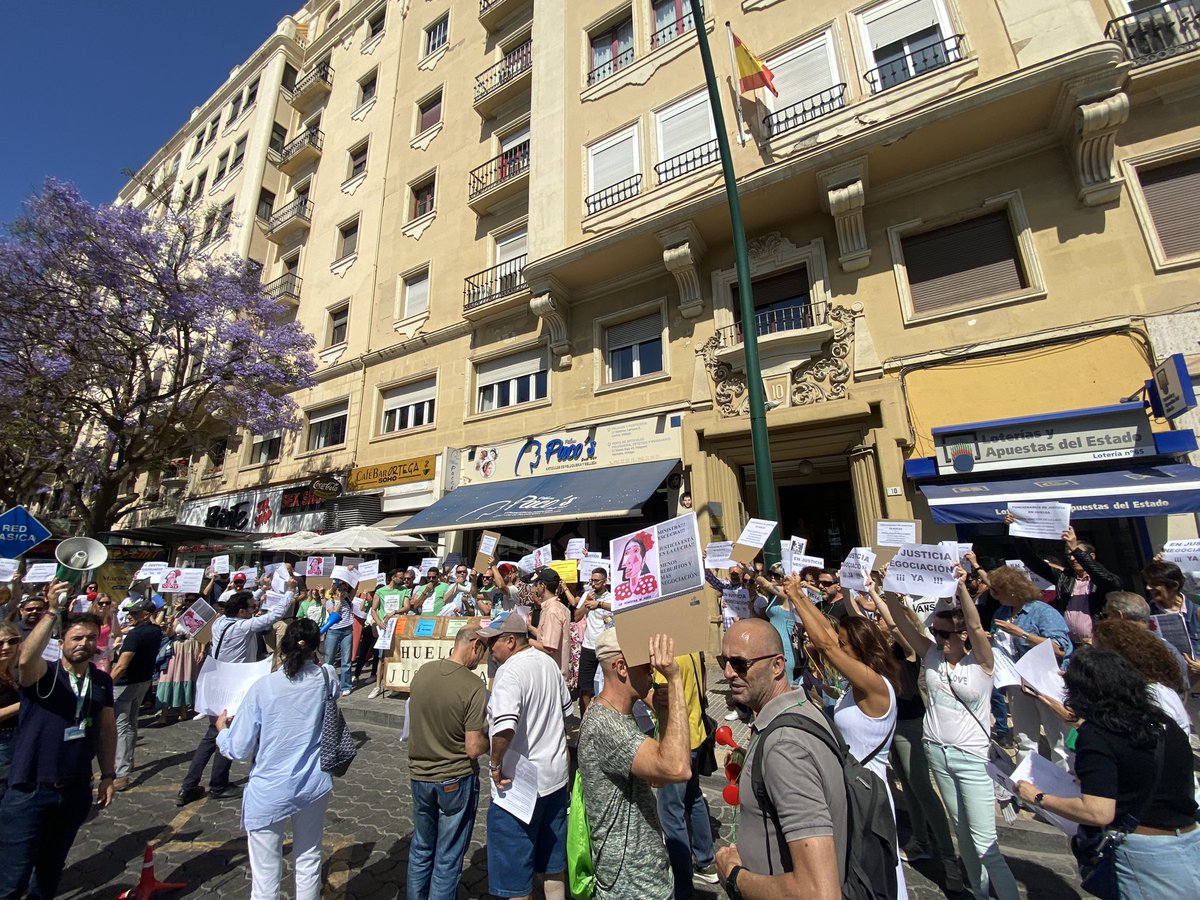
(148, 885)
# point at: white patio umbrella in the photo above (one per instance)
(359, 538)
(287, 541)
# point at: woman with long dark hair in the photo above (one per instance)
(1152, 659)
(279, 723)
(1134, 766)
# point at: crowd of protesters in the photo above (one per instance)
(828, 679)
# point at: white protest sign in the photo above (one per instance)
(716, 555)
(800, 562)
(380, 580)
(856, 568)
(346, 574)
(1038, 581)
(52, 652)
(386, 633)
(181, 581)
(8, 568)
(150, 570)
(588, 564)
(895, 533)
(81, 604)
(921, 570)
(368, 570)
(1047, 521)
(736, 603)
(220, 564)
(1185, 554)
(251, 573)
(40, 573)
(1172, 629)
(196, 616)
(576, 547)
(663, 560)
(427, 563)
(273, 600)
(1039, 669)
(222, 686)
(319, 566)
(279, 579)
(752, 539)
(542, 556)
(527, 563)
(1004, 672)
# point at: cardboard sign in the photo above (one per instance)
(409, 654)
(220, 564)
(752, 539)
(567, 569)
(922, 570)
(319, 566)
(489, 541)
(40, 573)
(182, 581)
(897, 532)
(1047, 521)
(660, 561)
(856, 569)
(684, 618)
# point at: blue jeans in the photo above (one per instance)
(680, 805)
(340, 641)
(966, 788)
(443, 818)
(1000, 711)
(1154, 866)
(37, 827)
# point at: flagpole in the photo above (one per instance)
(737, 87)
(764, 475)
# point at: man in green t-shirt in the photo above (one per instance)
(447, 714)
(390, 602)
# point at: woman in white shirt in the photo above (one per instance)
(958, 674)
(279, 723)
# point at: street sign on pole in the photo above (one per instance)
(1171, 391)
(20, 532)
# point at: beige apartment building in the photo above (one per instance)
(504, 221)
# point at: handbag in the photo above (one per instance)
(1095, 848)
(337, 744)
(706, 753)
(581, 875)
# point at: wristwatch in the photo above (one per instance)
(731, 887)
(108, 776)
(1038, 798)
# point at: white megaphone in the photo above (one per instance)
(81, 554)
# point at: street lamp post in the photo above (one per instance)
(764, 476)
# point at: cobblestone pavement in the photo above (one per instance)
(367, 830)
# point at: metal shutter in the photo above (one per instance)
(628, 333)
(685, 126)
(802, 74)
(1173, 194)
(512, 246)
(416, 294)
(898, 21)
(410, 394)
(962, 263)
(508, 367)
(614, 163)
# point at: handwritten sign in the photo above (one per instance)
(922, 570)
(1047, 521)
(660, 561)
(856, 569)
(752, 539)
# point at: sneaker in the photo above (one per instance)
(226, 793)
(189, 795)
(914, 851)
(707, 873)
(375, 692)
(732, 716)
(346, 692)
(954, 880)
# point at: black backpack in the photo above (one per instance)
(871, 856)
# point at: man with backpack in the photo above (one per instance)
(813, 822)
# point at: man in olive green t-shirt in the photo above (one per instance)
(447, 711)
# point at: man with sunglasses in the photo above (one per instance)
(596, 609)
(29, 613)
(428, 599)
(798, 847)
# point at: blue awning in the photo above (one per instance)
(1139, 491)
(610, 492)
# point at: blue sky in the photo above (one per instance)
(95, 86)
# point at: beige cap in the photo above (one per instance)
(607, 646)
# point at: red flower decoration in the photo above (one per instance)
(645, 538)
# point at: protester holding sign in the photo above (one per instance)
(958, 675)
(176, 689)
(596, 610)
(339, 631)
(1164, 581)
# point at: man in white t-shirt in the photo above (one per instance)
(526, 716)
(596, 609)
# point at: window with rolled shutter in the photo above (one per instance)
(963, 263)
(613, 161)
(416, 293)
(634, 348)
(686, 125)
(802, 73)
(892, 22)
(1172, 193)
(409, 406)
(509, 380)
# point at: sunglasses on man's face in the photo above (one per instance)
(942, 635)
(825, 584)
(740, 664)
(104, 603)
(9, 642)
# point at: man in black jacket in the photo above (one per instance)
(1080, 586)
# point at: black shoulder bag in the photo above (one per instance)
(706, 753)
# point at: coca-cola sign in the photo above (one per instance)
(326, 486)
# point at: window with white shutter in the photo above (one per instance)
(409, 406)
(907, 38)
(511, 254)
(1172, 195)
(509, 380)
(634, 348)
(687, 138)
(327, 426)
(614, 169)
(416, 293)
(803, 72)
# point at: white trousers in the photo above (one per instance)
(266, 854)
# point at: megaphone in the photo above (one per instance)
(79, 554)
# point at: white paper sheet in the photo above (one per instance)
(895, 534)
(1039, 669)
(1049, 779)
(220, 564)
(40, 573)
(756, 533)
(1004, 672)
(368, 570)
(576, 547)
(856, 568)
(386, 633)
(1047, 521)
(521, 796)
(922, 570)
(716, 555)
(223, 685)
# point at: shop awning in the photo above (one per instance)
(611, 492)
(1136, 491)
(176, 533)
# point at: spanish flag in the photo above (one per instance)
(752, 71)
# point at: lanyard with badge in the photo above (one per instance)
(82, 687)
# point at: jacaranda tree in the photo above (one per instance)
(123, 346)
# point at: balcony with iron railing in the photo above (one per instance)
(316, 82)
(499, 178)
(499, 83)
(493, 13)
(916, 63)
(673, 29)
(290, 219)
(497, 288)
(614, 194)
(1159, 32)
(300, 152)
(810, 108)
(610, 68)
(786, 335)
(285, 287)
(687, 161)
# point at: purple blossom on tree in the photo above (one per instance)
(125, 349)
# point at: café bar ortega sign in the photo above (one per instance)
(1081, 436)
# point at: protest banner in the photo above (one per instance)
(150, 571)
(367, 570)
(800, 562)
(897, 532)
(222, 686)
(752, 539)
(196, 617)
(319, 566)
(488, 542)
(182, 581)
(856, 569)
(419, 640)
(576, 548)
(40, 573)
(716, 555)
(922, 570)
(427, 563)
(1047, 521)
(220, 564)
(660, 561)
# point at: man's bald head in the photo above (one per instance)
(754, 663)
(466, 635)
(753, 637)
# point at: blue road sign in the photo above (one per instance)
(20, 532)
